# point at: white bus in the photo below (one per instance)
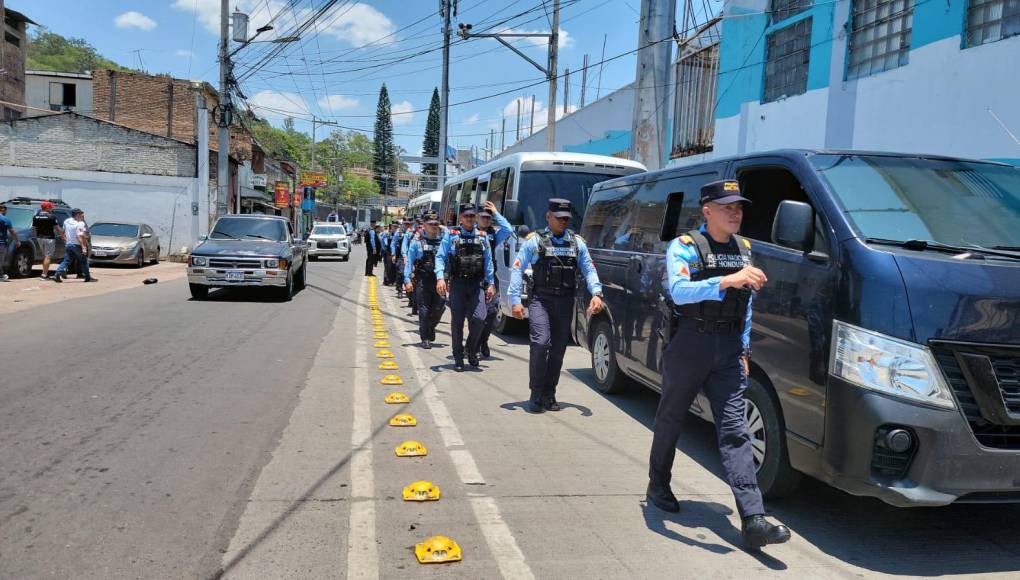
(424, 202)
(520, 185)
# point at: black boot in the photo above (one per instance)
(759, 532)
(662, 497)
(485, 350)
(473, 360)
(550, 404)
(426, 344)
(534, 408)
(458, 365)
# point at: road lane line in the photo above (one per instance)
(498, 536)
(362, 554)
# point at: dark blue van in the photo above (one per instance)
(886, 345)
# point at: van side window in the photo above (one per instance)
(682, 212)
(767, 187)
(483, 193)
(498, 186)
(607, 223)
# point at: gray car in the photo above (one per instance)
(123, 243)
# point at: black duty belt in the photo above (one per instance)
(711, 326)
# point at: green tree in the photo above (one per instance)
(356, 189)
(50, 51)
(384, 160)
(430, 146)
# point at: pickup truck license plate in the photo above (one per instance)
(235, 276)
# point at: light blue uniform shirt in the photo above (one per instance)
(681, 260)
(447, 250)
(528, 255)
(415, 252)
(504, 231)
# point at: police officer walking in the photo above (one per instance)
(496, 235)
(397, 258)
(555, 255)
(371, 249)
(466, 260)
(420, 278)
(711, 282)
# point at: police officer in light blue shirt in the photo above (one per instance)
(711, 280)
(497, 235)
(555, 255)
(420, 278)
(465, 259)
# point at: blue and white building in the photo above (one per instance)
(921, 76)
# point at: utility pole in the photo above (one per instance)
(502, 138)
(517, 133)
(492, 143)
(549, 70)
(531, 127)
(658, 20)
(223, 125)
(584, 80)
(444, 97)
(566, 91)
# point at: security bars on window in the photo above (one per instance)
(991, 20)
(694, 108)
(782, 9)
(880, 36)
(786, 61)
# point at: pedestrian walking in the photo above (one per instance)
(388, 266)
(76, 248)
(45, 229)
(9, 241)
(464, 273)
(420, 276)
(556, 255)
(711, 280)
(397, 258)
(371, 248)
(497, 235)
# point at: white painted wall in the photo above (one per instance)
(37, 93)
(162, 202)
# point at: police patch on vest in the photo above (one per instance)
(725, 261)
(561, 252)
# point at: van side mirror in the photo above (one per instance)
(512, 211)
(794, 226)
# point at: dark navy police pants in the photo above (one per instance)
(430, 307)
(467, 300)
(549, 324)
(696, 361)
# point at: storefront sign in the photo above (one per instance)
(281, 194)
(313, 179)
(258, 180)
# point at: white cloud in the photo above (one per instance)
(565, 40)
(278, 105)
(472, 119)
(184, 53)
(356, 25)
(337, 102)
(132, 19)
(401, 113)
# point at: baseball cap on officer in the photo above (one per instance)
(468, 209)
(724, 192)
(484, 212)
(432, 217)
(560, 207)
(77, 211)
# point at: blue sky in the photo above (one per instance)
(335, 71)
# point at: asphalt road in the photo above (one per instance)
(147, 435)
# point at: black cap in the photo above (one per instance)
(560, 207)
(483, 211)
(724, 191)
(76, 211)
(431, 217)
(467, 209)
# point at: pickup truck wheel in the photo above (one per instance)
(768, 440)
(287, 292)
(199, 291)
(609, 379)
(299, 283)
(345, 258)
(22, 263)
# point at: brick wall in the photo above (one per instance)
(75, 142)
(160, 105)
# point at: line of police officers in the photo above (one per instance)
(710, 279)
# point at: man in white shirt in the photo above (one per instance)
(76, 249)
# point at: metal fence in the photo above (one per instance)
(697, 75)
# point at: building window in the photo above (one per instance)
(694, 107)
(786, 61)
(783, 9)
(879, 36)
(12, 39)
(63, 95)
(404, 183)
(991, 20)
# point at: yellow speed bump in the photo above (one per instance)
(391, 380)
(411, 449)
(396, 398)
(404, 421)
(384, 353)
(382, 344)
(388, 365)
(422, 491)
(380, 335)
(436, 550)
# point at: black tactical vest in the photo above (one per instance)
(425, 266)
(399, 245)
(729, 313)
(555, 272)
(468, 260)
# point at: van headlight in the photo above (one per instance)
(888, 365)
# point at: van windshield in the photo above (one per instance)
(538, 186)
(959, 203)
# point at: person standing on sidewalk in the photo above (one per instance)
(371, 249)
(712, 280)
(497, 235)
(556, 256)
(45, 228)
(77, 247)
(8, 240)
(420, 277)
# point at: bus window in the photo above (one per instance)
(467, 194)
(483, 193)
(499, 186)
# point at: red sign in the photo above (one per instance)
(297, 197)
(281, 193)
(313, 179)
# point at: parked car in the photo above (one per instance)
(21, 210)
(123, 243)
(249, 251)
(328, 239)
(886, 344)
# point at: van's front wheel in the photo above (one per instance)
(776, 478)
(609, 378)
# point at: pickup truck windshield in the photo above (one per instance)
(328, 231)
(249, 229)
(115, 230)
(960, 203)
(21, 217)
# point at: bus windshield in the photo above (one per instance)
(537, 187)
(953, 202)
